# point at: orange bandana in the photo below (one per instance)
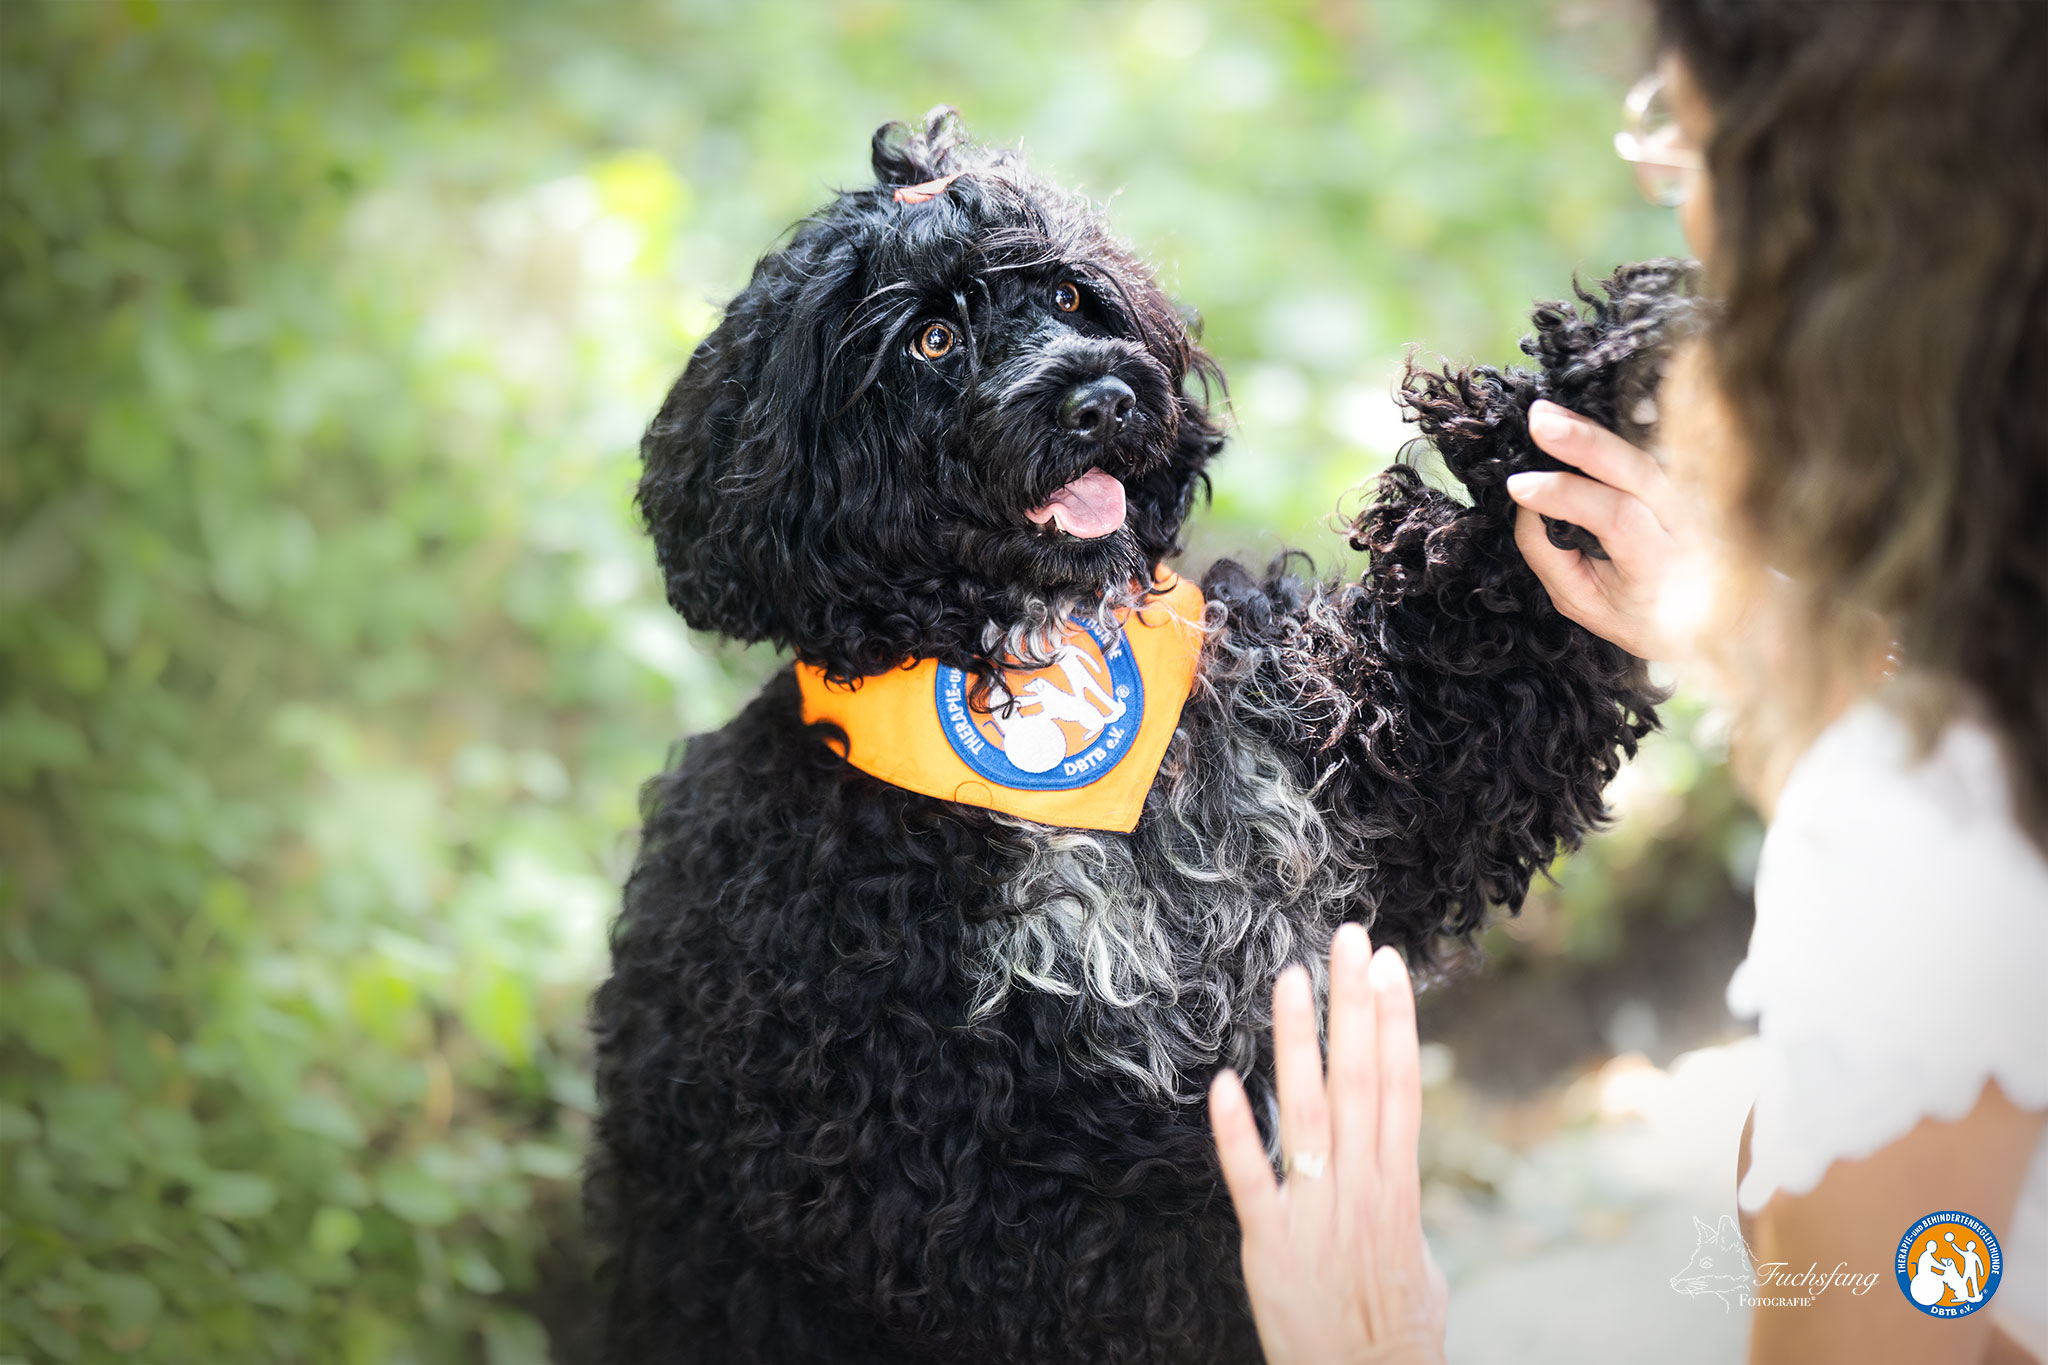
(1074, 744)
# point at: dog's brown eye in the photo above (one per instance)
(1066, 296)
(935, 341)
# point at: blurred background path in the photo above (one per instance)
(1580, 1117)
(1570, 1258)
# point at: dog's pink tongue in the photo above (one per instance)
(1090, 507)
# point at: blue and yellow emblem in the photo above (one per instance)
(1075, 743)
(1053, 728)
(1949, 1265)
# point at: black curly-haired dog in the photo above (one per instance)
(889, 1078)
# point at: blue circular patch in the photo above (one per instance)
(1050, 729)
(1949, 1265)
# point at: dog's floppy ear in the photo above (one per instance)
(762, 506)
(687, 462)
(736, 482)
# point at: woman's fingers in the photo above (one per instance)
(1335, 1263)
(1354, 1054)
(1625, 524)
(1246, 1172)
(1298, 1065)
(1618, 598)
(1400, 1078)
(1598, 452)
(1573, 578)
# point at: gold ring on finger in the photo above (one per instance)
(1307, 1165)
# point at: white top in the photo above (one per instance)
(1899, 961)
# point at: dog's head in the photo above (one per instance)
(952, 405)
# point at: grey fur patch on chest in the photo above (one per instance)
(1164, 942)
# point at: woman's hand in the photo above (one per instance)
(1334, 1258)
(1640, 517)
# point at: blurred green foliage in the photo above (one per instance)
(330, 656)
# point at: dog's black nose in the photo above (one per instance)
(1095, 411)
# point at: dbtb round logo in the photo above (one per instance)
(1053, 728)
(1949, 1265)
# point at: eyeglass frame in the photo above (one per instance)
(1632, 144)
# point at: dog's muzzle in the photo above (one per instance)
(1096, 411)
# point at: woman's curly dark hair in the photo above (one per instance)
(1879, 178)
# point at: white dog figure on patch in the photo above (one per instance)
(1035, 742)
(1929, 1283)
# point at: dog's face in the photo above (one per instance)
(929, 414)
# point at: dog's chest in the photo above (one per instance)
(1164, 942)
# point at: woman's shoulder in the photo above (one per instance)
(1868, 776)
(1885, 860)
(1911, 844)
(1900, 942)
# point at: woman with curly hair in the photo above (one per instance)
(1859, 449)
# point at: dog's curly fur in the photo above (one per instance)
(886, 1078)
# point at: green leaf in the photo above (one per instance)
(85, 1126)
(32, 742)
(234, 1195)
(573, 1090)
(324, 1116)
(419, 1199)
(273, 1288)
(129, 1301)
(55, 1342)
(514, 1339)
(18, 1124)
(73, 657)
(52, 1011)
(168, 1135)
(347, 1188)
(473, 1270)
(499, 1011)
(223, 1242)
(547, 1162)
(128, 966)
(383, 1002)
(335, 1231)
